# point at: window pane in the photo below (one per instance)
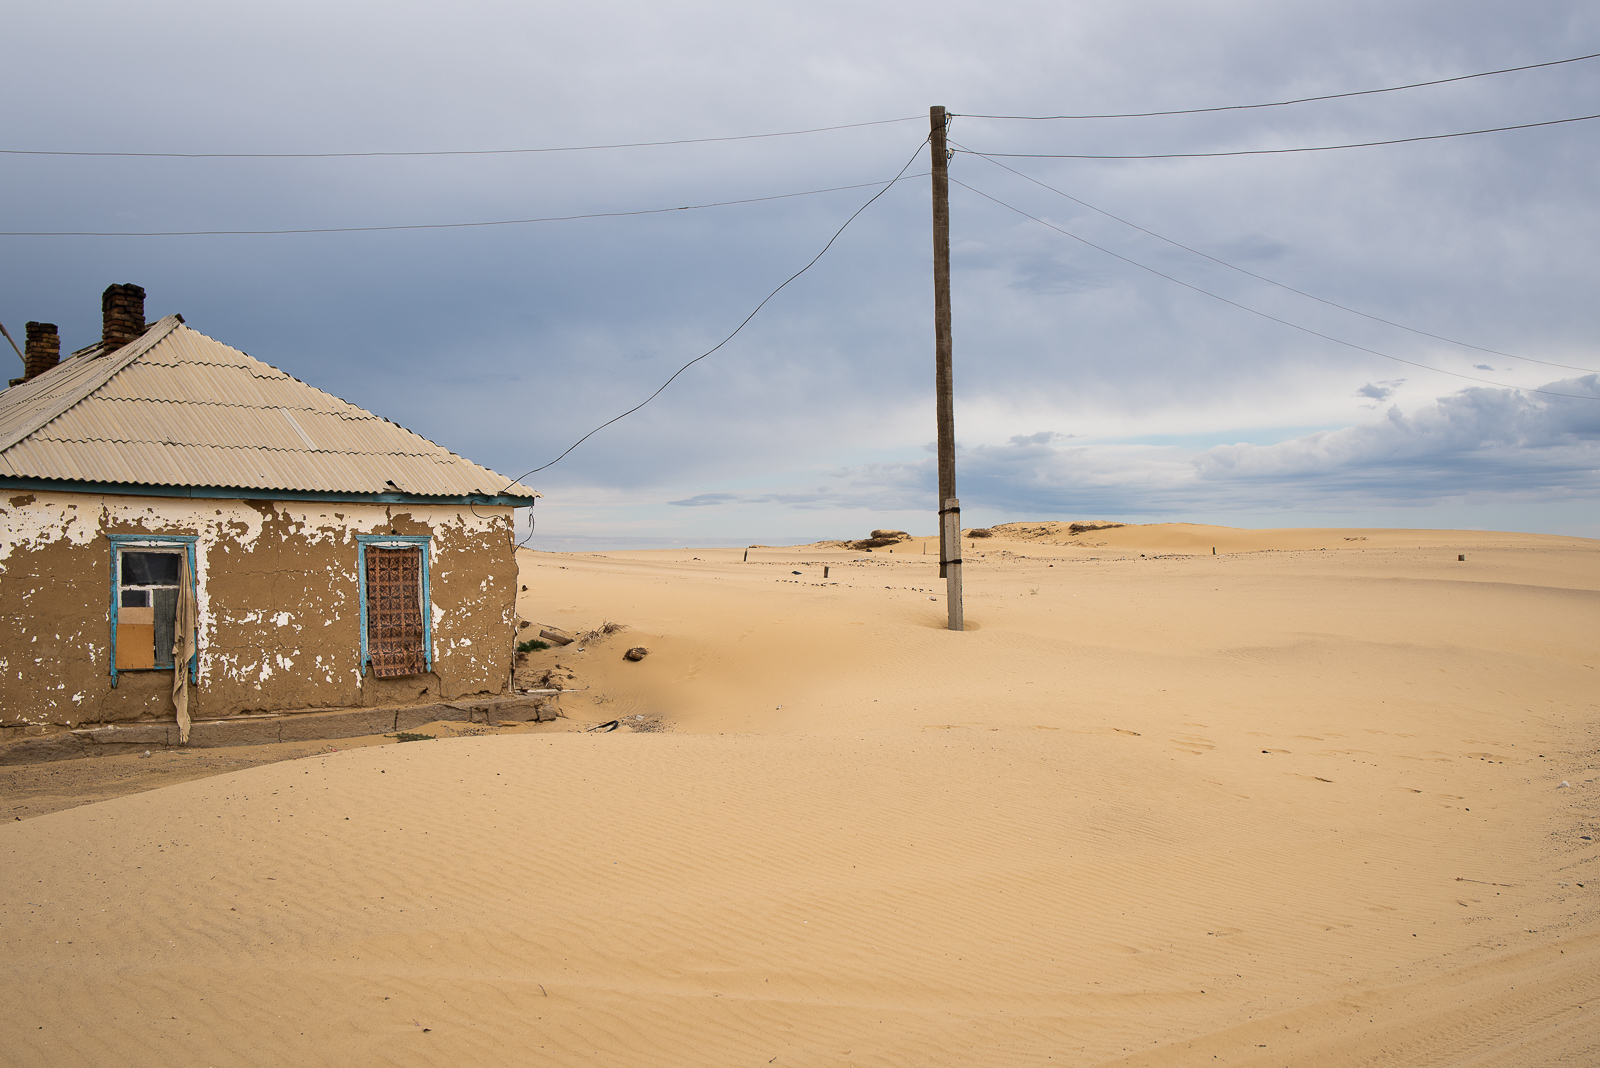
(149, 569)
(166, 609)
(136, 598)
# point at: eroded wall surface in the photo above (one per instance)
(279, 605)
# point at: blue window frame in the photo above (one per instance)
(128, 586)
(420, 542)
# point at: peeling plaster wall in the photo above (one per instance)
(279, 605)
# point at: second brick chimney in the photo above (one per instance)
(122, 314)
(43, 350)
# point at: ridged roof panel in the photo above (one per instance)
(177, 408)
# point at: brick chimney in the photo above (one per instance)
(43, 350)
(122, 313)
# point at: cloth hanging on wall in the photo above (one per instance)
(394, 612)
(184, 620)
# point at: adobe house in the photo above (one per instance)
(186, 531)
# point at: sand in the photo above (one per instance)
(1298, 803)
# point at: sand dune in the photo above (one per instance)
(1297, 803)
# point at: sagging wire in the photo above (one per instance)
(1269, 281)
(455, 152)
(521, 544)
(1299, 100)
(436, 226)
(890, 184)
(1266, 315)
(1286, 151)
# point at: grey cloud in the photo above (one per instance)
(1479, 443)
(701, 500)
(1380, 391)
(1254, 248)
(872, 487)
(1047, 274)
(1479, 440)
(508, 344)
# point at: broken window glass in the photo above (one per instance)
(141, 568)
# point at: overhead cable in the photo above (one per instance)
(1266, 315)
(441, 226)
(1283, 103)
(742, 323)
(1280, 285)
(1282, 151)
(453, 152)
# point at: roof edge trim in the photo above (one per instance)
(124, 489)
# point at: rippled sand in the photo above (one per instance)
(1295, 803)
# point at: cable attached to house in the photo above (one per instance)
(524, 542)
(473, 506)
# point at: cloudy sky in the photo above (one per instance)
(1087, 386)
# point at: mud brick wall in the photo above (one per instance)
(279, 605)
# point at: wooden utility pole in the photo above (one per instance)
(950, 527)
(949, 507)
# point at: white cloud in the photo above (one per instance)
(1475, 442)
(1479, 444)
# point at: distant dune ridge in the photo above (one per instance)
(1179, 795)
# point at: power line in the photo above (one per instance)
(1282, 151)
(1280, 285)
(1284, 103)
(451, 152)
(742, 324)
(441, 226)
(1265, 315)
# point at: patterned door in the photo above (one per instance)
(394, 611)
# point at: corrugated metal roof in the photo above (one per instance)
(177, 408)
